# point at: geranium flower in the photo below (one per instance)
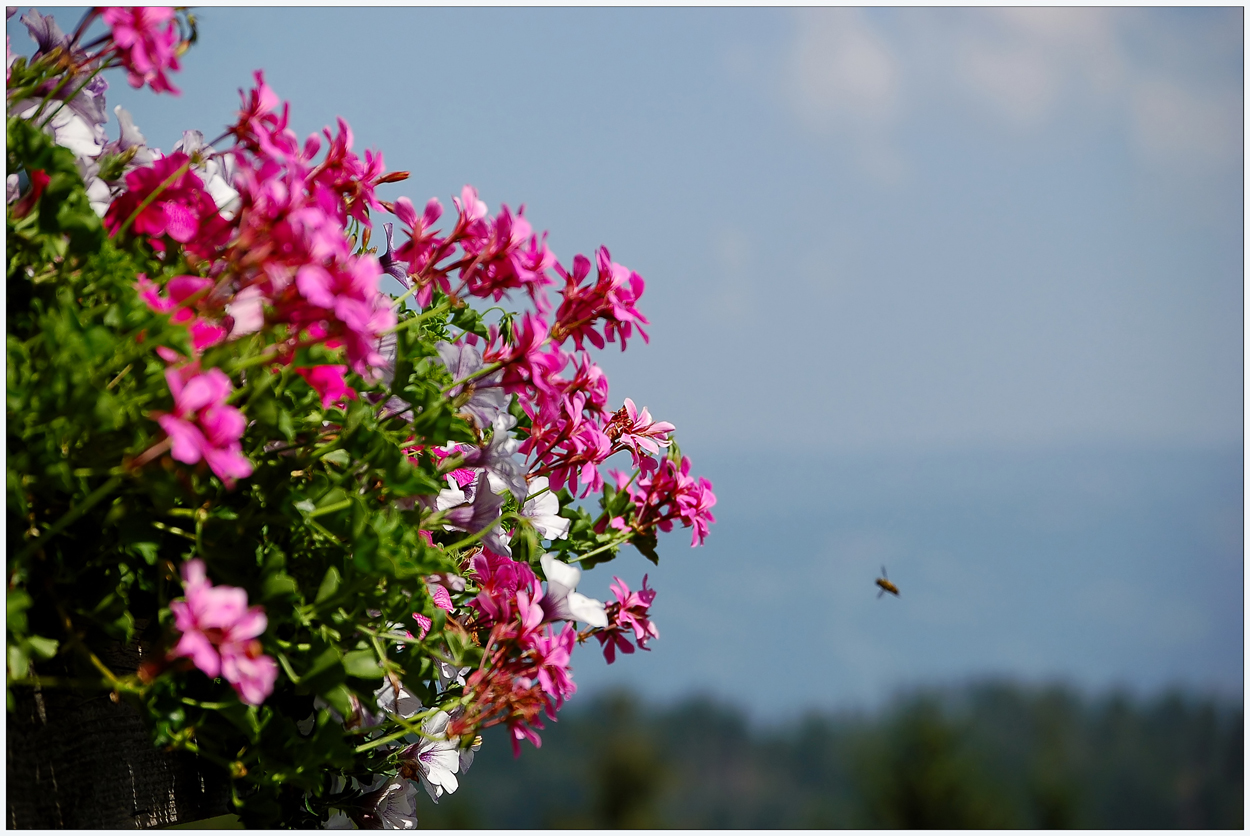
(629, 612)
(219, 634)
(181, 209)
(329, 383)
(147, 43)
(203, 425)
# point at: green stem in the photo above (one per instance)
(69, 517)
(411, 726)
(38, 681)
(160, 526)
(408, 323)
(211, 706)
(53, 114)
(470, 540)
(485, 370)
(330, 509)
(619, 542)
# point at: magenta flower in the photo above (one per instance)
(638, 433)
(202, 425)
(666, 492)
(182, 209)
(146, 40)
(499, 578)
(219, 635)
(612, 298)
(550, 653)
(329, 383)
(628, 613)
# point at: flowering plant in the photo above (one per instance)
(345, 528)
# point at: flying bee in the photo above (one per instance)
(886, 586)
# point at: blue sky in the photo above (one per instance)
(959, 291)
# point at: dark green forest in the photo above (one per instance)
(985, 755)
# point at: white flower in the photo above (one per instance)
(405, 706)
(448, 674)
(497, 457)
(216, 172)
(69, 128)
(544, 511)
(450, 497)
(488, 398)
(435, 758)
(561, 601)
(395, 805)
(338, 821)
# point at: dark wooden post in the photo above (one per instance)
(79, 760)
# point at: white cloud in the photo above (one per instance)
(1173, 122)
(1170, 86)
(841, 70)
(1024, 61)
(842, 78)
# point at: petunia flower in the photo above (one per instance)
(435, 759)
(562, 601)
(543, 511)
(393, 807)
(405, 704)
(487, 399)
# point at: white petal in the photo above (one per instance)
(559, 572)
(587, 610)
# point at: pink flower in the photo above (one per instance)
(629, 612)
(442, 598)
(550, 653)
(181, 209)
(329, 383)
(186, 294)
(638, 433)
(667, 492)
(424, 622)
(202, 425)
(611, 298)
(146, 45)
(219, 634)
(499, 579)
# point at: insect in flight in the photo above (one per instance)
(886, 586)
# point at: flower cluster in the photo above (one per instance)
(219, 634)
(394, 479)
(202, 425)
(146, 40)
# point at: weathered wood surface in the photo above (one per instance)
(79, 760)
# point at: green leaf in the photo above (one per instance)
(362, 663)
(329, 584)
(43, 648)
(339, 698)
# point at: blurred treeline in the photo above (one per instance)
(986, 755)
